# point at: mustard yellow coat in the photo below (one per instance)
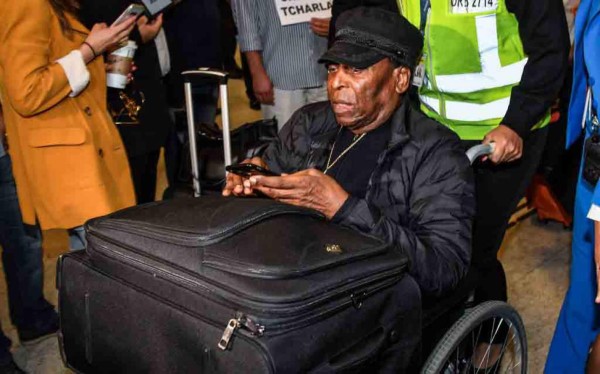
(68, 159)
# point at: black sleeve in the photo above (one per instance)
(437, 235)
(303, 140)
(544, 33)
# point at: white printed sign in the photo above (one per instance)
(298, 11)
(473, 6)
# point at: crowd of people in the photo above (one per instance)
(375, 106)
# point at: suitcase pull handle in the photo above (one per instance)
(203, 75)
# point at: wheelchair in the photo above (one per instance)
(457, 334)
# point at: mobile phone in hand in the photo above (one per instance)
(135, 10)
(247, 170)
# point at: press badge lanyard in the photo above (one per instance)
(419, 73)
(425, 5)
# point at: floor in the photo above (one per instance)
(536, 257)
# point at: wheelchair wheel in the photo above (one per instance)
(463, 349)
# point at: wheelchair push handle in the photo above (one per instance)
(479, 150)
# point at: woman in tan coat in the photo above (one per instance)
(68, 159)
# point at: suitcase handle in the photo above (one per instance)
(204, 75)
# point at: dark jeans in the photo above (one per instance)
(143, 175)
(498, 189)
(22, 260)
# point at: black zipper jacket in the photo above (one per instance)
(420, 197)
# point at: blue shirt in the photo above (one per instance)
(289, 53)
(2, 151)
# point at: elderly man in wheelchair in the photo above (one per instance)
(369, 161)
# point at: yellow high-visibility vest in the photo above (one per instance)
(473, 57)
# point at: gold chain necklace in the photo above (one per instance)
(348, 148)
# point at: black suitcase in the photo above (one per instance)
(233, 285)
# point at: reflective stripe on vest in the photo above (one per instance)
(468, 112)
(493, 74)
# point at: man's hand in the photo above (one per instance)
(235, 185)
(320, 26)
(263, 88)
(508, 144)
(307, 188)
(148, 30)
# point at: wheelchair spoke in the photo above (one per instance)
(488, 350)
(457, 362)
(517, 352)
(489, 339)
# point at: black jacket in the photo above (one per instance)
(420, 196)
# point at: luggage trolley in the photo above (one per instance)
(203, 75)
(246, 141)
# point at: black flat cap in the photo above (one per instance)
(367, 35)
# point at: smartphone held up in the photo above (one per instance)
(247, 170)
(133, 10)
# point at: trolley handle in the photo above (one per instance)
(479, 150)
(201, 75)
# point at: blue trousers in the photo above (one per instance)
(22, 260)
(578, 322)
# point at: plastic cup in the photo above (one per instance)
(119, 62)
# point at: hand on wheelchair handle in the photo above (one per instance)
(509, 145)
(480, 150)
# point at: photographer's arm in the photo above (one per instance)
(99, 40)
(149, 29)
(34, 83)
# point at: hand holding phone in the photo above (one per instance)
(247, 170)
(102, 38)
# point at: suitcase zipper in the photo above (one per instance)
(250, 324)
(247, 339)
(236, 323)
(181, 278)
